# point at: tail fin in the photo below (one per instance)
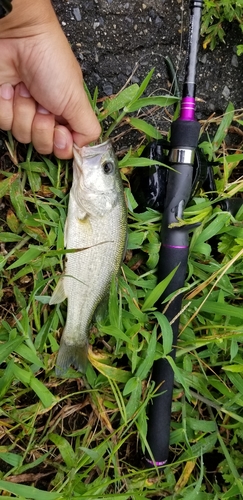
(75, 355)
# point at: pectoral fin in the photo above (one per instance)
(59, 294)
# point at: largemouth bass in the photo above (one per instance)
(96, 222)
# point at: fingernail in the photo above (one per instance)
(6, 91)
(23, 91)
(42, 111)
(60, 140)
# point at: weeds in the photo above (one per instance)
(215, 15)
(85, 437)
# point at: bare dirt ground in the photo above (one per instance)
(110, 36)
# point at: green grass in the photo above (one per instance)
(215, 17)
(84, 437)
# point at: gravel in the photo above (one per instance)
(115, 36)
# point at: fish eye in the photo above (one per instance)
(108, 167)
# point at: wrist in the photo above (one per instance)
(25, 16)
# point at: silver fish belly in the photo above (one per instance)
(96, 227)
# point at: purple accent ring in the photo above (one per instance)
(157, 464)
(175, 246)
(188, 106)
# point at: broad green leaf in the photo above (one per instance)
(131, 161)
(223, 127)
(148, 361)
(29, 492)
(130, 385)
(135, 309)
(111, 372)
(96, 456)
(233, 368)
(126, 98)
(135, 240)
(232, 466)
(11, 458)
(12, 222)
(22, 272)
(232, 493)
(204, 445)
(114, 332)
(20, 298)
(9, 347)
(221, 387)
(213, 228)
(35, 232)
(36, 166)
(236, 380)
(51, 170)
(166, 330)
(35, 463)
(147, 128)
(130, 200)
(222, 309)
(30, 255)
(6, 183)
(6, 379)
(231, 158)
(41, 336)
(65, 449)
(120, 101)
(134, 400)
(17, 199)
(28, 379)
(144, 84)
(161, 101)
(34, 180)
(178, 375)
(45, 396)
(154, 296)
(10, 237)
(200, 425)
(28, 354)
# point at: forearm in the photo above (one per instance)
(25, 16)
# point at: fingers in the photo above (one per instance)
(6, 106)
(30, 122)
(82, 119)
(42, 130)
(48, 137)
(24, 109)
(63, 142)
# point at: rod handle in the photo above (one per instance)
(159, 414)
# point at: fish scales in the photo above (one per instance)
(102, 241)
(97, 223)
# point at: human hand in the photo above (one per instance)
(42, 98)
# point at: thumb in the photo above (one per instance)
(78, 113)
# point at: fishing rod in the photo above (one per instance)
(175, 241)
(169, 192)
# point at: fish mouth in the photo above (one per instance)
(90, 151)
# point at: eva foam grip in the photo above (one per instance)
(159, 414)
(184, 134)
